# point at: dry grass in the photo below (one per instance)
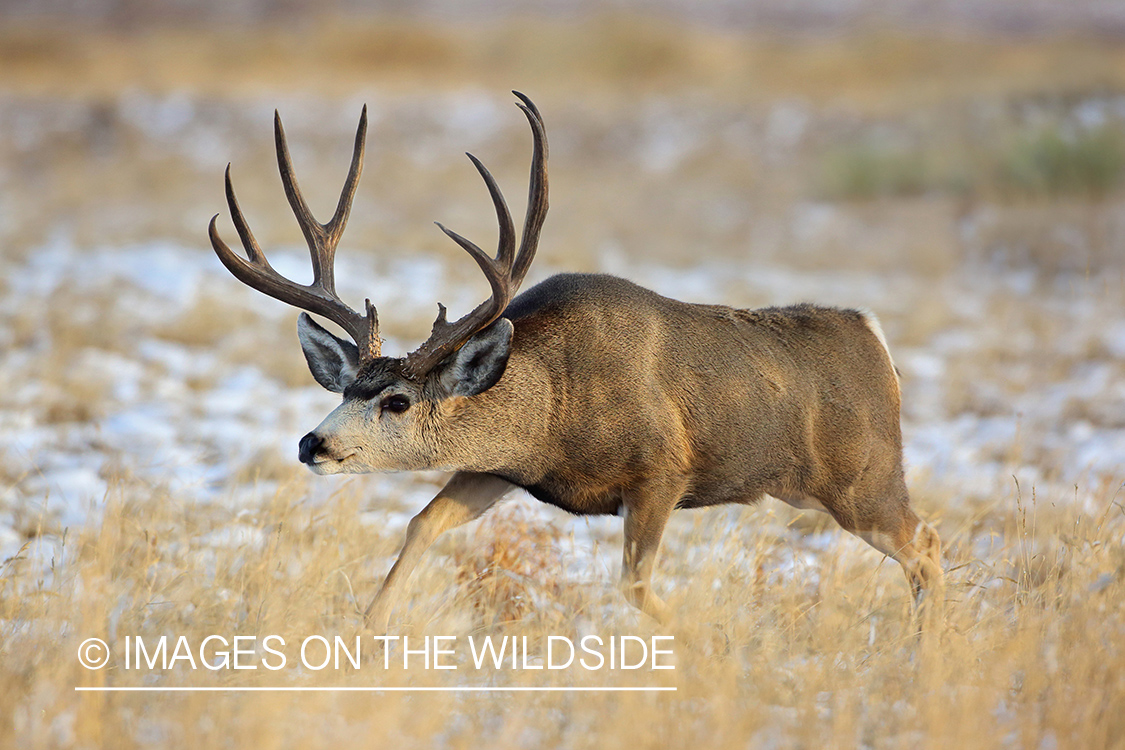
(821, 652)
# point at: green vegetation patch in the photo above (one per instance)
(1054, 163)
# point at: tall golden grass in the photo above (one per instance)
(1027, 650)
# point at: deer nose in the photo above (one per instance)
(309, 446)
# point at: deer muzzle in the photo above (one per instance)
(309, 447)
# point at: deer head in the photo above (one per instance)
(393, 408)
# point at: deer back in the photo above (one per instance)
(608, 381)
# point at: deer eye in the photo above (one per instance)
(395, 404)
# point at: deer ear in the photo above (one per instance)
(480, 363)
(333, 361)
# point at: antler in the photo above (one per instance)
(505, 272)
(320, 296)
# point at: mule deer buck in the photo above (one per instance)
(598, 396)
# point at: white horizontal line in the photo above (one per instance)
(385, 689)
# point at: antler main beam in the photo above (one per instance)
(505, 272)
(320, 296)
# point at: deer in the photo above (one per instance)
(597, 396)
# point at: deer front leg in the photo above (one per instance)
(646, 512)
(464, 498)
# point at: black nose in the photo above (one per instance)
(310, 444)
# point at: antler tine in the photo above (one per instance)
(494, 269)
(506, 247)
(310, 227)
(322, 238)
(335, 226)
(506, 270)
(536, 193)
(253, 249)
(320, 296)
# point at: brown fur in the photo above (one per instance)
(616, 399)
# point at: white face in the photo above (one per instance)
(389, 422)
(361, 435)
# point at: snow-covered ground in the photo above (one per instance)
(154, 421)
(147, 360)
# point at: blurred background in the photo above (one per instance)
(956, 167)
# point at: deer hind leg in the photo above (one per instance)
(464, 498)
(877, 510)
(915, 545)
(895, 531)
(890, 526)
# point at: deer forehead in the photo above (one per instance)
(381, 377)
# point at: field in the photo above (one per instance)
(968, 189)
